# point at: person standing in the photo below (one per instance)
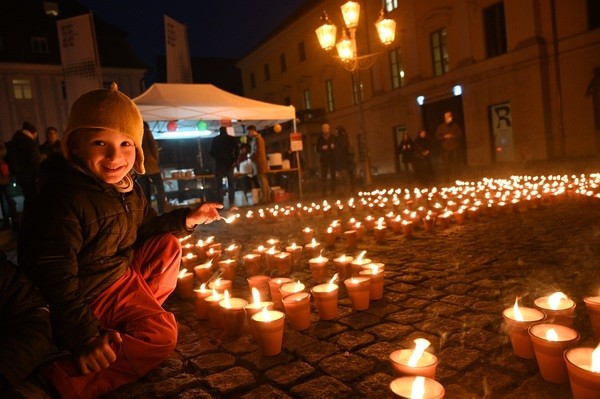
(153, 175)
(423, 165)
(344, 156)
(406, 148)
(259, 157)
(50, 147)
(450, 136)
(326, 147)
(7, 203)
(225, 150)
(24, 158)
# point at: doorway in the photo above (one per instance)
(433, 116)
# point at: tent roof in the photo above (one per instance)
(182, 101)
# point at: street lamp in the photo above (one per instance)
(348, 56)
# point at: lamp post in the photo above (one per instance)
(348, 56)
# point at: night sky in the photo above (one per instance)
(216, 28)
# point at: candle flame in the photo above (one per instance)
(329, 230)
(551, 335)
(418, 388)
(554, 300)
(313, 242)
(182, 273)
(217, 282)
(256, 296)
(190, 255)
(360, 256)
(265, 314)
(420, 345)
(517, 312)
(271, 251)
(203, 287)
(215, 293)
(596, 360)
(229, 219)
(307, 230)
(230, 248)
(330, 285)
(298, 287)
(227, 299)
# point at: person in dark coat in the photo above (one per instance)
(326, 148)
(423, 165)
(406, 148)
(344, 156)
(25, 332)
(450, 136)
(225, 150)
(24, 158)
(153, 175)
(50, 147)
(102, 257)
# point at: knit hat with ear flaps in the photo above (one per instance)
(107, 109)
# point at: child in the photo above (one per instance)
(102, 257)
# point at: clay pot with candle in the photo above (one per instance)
(274, 285)
(252, 264)
(359, 290)
(214, 254)
(518, 319)
(558, 307)
(414, 361)
(583, 367)
(358, 263)
(295, 252)
(214, 310)
(233, 314)
(351, 239)
(232, 251)
(413, 387)
(343, 266)
(185, 284)
(268, 326)
(592, 305)
(283, 263)
(407, 228)
(189, 260)
(227, 268)
(269, 258)
(297, 310)
(379, 231)
(255, 307)
(326, 299)
(220, 285)
(261, 283)
(291, 288)
(313, 248)
(329, 237)
(204, 271)
(549, 343)
(200, 305)
(318, 268)
(307, 235)
(376, 278)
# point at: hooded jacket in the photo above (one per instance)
(79, 238)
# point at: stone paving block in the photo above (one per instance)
(294, 340)
(537, 388)
(401, 287)
(261, 362)
(485, 293)
(507, 360)
(412, 279)
(360, 320)
(455, 391)
(459, 358)
(395, 297)
(428, 294)
(196, 348)
(213, 362)
(408, 317)
(390, 331)
(440, 325)
(168, 368)
(289, 373)
(382, 308)
(346, 366)
(244, 344)
(458, 288)
(351, 340)
(315, 353)
(325, 329)
(493, 307)
(459, 300)
(436, 275)
(490, 386)
(475, 338)
(174, 385)
(376, 386)
(379, 351)
(437, 284)
(196, 393)
(230, 380)
(321, 388)
(443, 308)
(266, 391)
(481, 320)
(185, 334)
(415, 303)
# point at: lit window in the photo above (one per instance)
(307, 99)
(330, 98)
(356, 87)
(396, 69)
(391, 5)
(22, 89)
(39, 45)
(439, 51)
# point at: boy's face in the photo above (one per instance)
(107, 154)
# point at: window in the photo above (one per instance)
(39, 45)
(593, 7)
(329, 93)
(51, 8)
(307, 99)
(494, 27)
(391, 5)
(439, 51)
(282, 63)
(356, 86)
(267, 72)
(22, 89)
(301, 52)
(396, 69)
(252, 80)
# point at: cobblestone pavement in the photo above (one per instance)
(448, 285)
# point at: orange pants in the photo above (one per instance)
(131, 306)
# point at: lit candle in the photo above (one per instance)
(376, 277)
(261, 283)
(549, 343)
(326, 298)
(592, 304)
(214, 310)
(518, 319)
(358, 263)
(232, 251)
(558, 307)
(252, 263)
(274, 285)
(220, 285)
(414, 361)
(200, 305)
(283, 263)
(329, 237)
(417, 387)
(295, 251)
(313, 247)
(227, 268)
(359, 289)
(318, 268)
(189, 261)
(204, 271)
(583, 366)
(269, 257)
(233, 314)
(291, 288)
(185, 284)
(343, 266)
(307, 235)
(268, 326)
(256, 306)
(214, 254)
(379, 231)
(351, 238)
(297, 309)
(407, 226)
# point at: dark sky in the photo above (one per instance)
(216, 28)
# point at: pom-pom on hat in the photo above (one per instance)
(107, 109)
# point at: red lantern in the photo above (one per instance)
(172, 126)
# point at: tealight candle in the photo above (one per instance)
(549, 343)
(318, 268)
(274, 285)
(379, 232)
(376, 277)
(256, 306)
(261, 283)
(558, 307)
(350, 237)
(329, 237)
(358, 263)
(233, 315)
(417, 387)
(326, 298)
(268, 326)
(313, 247)
(414, 361)
(252, 263)
(214, 254)
(307, 235)
(358, 289)
(227, 268)
(269, 258)
(295, 251)
(407, 226)
(297, 310)
(185, 284)
(214, 310)
(583, 367)
(220, 285)
(459, 216)
(204, 271)
(343, 266)
(189, 260)
(200, 305)
(592, 304)
(232, 251)
(283, 263)
(291, 288)
(518, 319)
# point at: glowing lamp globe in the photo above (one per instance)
(172, 126)
(277, 128)
(201, 125)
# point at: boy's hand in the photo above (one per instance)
(97, 354)
(204, 214)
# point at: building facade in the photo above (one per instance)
(32, 85)
(522, 77)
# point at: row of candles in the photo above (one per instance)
(545, 332)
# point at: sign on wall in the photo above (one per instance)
(502, 133)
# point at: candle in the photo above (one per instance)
(583, 367)
(204, 271)
(269, 257)
(274, 285)
(518, 319)
(558, 307)
(428, 223)
(200, 305)
(227, 268)
(592, 304)
(376, 278)
(189, 261)
(549, 343)
(232, 251)
(414, 361)
(358, 263)
(343, 266)
(407, 226)
(214, 310)
(459, 216)
(185, 284)
(318, 268)
(297, 310)
(220, 285)
(295, 251)
(290, 288)
(252, 263)
(329, 237)
(283, 263)
(214, 254)
(261, 283)
(359, 228)
(359, 289)
(379, 231)
(351, 238)
(233, 315)
(396, 224)
(417, 387)
(326, 297)
(215, 246)
(268, 325)
(256, 306)
(313, 247)
(307, 235)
